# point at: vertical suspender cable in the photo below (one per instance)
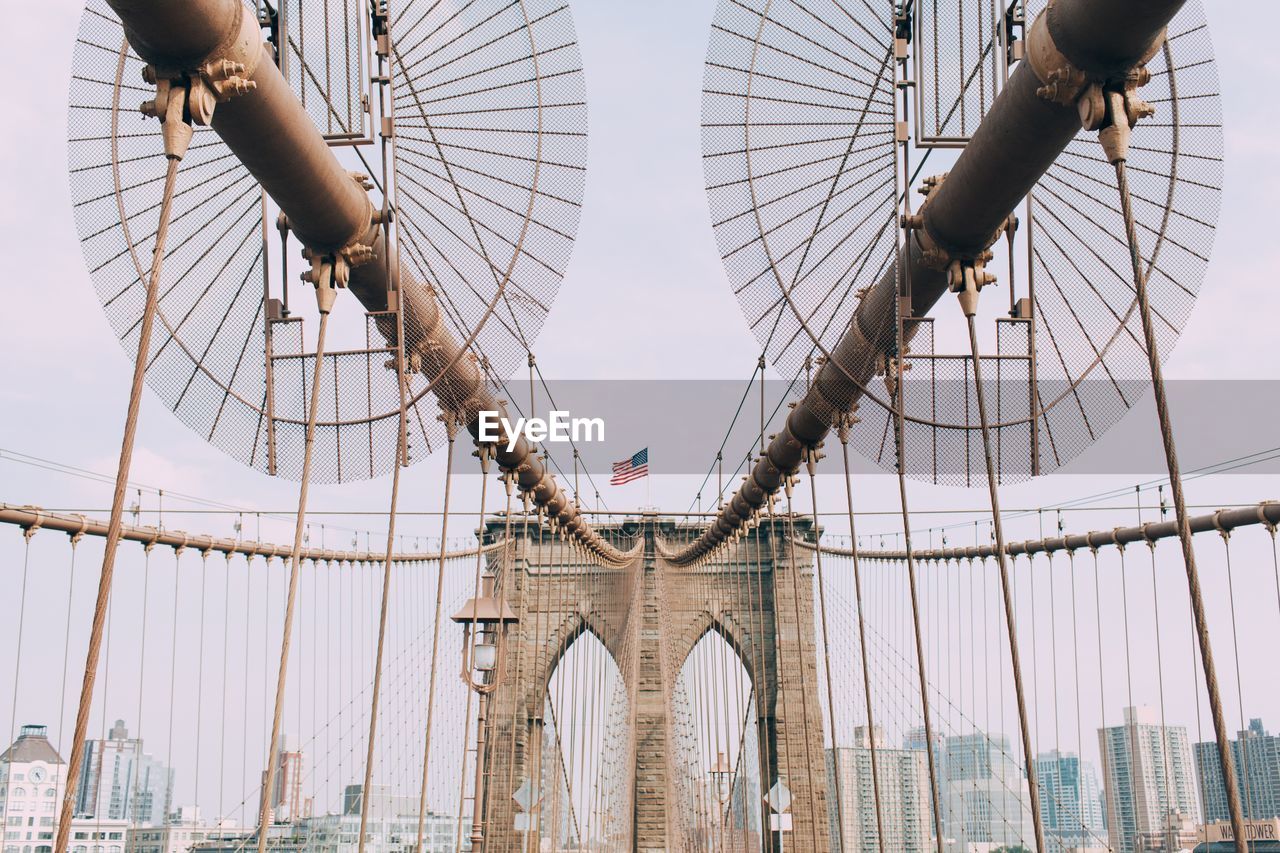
(484, 453)
(842, 430)
(402, 451)
(27, 533)
(451, 430)
(300, 520)
(386, 587)
(812, 459)
(117, 499)
(1115, 140)
(893, 376)
(1010, 623)
(66, 641)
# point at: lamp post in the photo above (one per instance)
(485, 620)
(721, 774)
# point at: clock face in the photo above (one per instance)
(37, 774)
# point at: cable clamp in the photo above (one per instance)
(30, 530)
(1062, 80)
(1262, 517)
(84, 525)
(966, 278)
(1106, 100)
(843, 422)
(1224, 532)
(1114, 111)
(151, 543)
(934, 255)
(188, 97)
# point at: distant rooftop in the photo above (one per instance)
(32, 745)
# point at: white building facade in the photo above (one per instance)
(1148, 778)
(119, 781)
(905, 806)
(31, 787)
(985, 801)
(1070, 802)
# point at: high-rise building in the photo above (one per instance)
(985, 802)
(382, 802)
(915, 739)
(119, 781)
(287, 801)
(905, 809)
(1147, 776)
(1070, 801)
(31, 788)
(1256, 753)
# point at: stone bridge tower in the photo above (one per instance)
(649, 615)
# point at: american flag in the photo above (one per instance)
(632, 468)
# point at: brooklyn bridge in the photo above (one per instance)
(953, 568)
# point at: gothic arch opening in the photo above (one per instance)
(583, 760)
(716, 762)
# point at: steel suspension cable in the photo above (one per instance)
(505, 575)
(17, 660)
(812, 461)
(451, 431)
(894, 378)
(308, 457)
(804, 693)
(76, 758)
(66, 640)
(768, 755)
(142, 673)
(1115, 140)
(1128, 670)
(1247, 805)
(1011, 627)
(386, 589)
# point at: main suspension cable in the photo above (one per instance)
(893, 377)
(1011, 627)
(268, 789)
(1122, 112)
(842, 432)
(174, 155)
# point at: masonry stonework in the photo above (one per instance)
(649, 615)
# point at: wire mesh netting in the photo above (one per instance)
(207, 361)
(490, 164)
(958, 64)
(797, 144)
(489, 184)
(325, 51)
(1091, 363)
(800, 178)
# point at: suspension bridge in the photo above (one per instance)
(329, 243)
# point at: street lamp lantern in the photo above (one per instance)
(722, 781)
(485, 621)
(485, 657)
